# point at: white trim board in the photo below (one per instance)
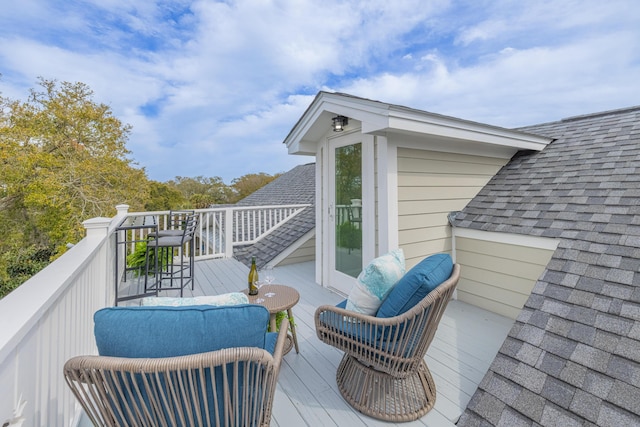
(293, 247)
(508, 238)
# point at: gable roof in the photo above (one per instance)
(298, 186)
(381, 118)
(573, 355)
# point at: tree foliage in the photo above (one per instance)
(164, 197)
(201, 192)
(63, 159)
(249, 183)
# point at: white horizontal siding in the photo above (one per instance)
(498, 276)
(305, 252)
(431, 184)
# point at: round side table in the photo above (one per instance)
(284, 298)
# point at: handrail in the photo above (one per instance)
(245, 224)
(48, 319)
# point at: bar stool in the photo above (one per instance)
(161, 248)
(176, 223)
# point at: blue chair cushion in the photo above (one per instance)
(362, 332)
(164, 331)
(416, 284)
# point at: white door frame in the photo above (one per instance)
(325, 272)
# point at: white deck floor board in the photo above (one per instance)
(307, 394)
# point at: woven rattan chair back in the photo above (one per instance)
(383, 373)
(229, 387)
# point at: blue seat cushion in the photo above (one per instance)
(163, 331)
(361, 332)
(416, 284)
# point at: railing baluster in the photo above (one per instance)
(220, 229)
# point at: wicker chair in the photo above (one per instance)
(226, 387)
(383, 373)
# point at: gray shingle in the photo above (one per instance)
(614, 324)
(584, 312)
(582, 333)
(558, 392)
(296, 186)
(556, 417)
(598, 384)
(591, 357)
(511, 418)
(630, 310)
(488, 407)
(626, 396)
(530, 404)
(635, 331)
(551, 364)
(502, 388)
(586, 405)
(624, 369)
(528, 354)
(612, 416)
(558, 345)
(471, 419)
(628, 348)
(529, 377)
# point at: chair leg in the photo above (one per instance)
(151, 247)
(383, 396)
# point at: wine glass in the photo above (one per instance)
(269, 277)
(259, 284)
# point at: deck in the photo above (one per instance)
(467, 340)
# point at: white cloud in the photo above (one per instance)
(226, 81)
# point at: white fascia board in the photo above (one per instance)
(303, 147)
(508, 238)
(448, 127)
(293, 247)
(377, 118)
(316, 120)
(304, 125)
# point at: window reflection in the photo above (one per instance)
(349, 209)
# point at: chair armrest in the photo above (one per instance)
(282, 337)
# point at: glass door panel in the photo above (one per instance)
(348, 209)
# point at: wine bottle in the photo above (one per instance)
(253, 278)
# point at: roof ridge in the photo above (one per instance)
(601, 113)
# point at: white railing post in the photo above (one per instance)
(122, 210)
(98, 228)
(228, 233)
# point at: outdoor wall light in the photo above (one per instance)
(339, 122)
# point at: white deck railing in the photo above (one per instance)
(220, 229)
(49, 318)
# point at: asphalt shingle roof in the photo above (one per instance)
(573, 354)
(297, 186)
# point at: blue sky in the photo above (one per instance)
(213, 88)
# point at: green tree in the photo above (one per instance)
(249, 183)
(201, 192)
(63, 159)
(163, 197)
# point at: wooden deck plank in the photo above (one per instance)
(307, 394)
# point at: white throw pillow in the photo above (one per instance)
(231, 298)
(375, 282)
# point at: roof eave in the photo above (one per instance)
(382, 118)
